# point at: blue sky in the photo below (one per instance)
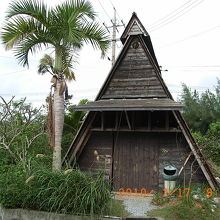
(185, 36)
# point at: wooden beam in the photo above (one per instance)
(149, 121)
(128, 121)
(80, 142)
(83, 143)
(200, 162)
(185, 162)
(139, 130)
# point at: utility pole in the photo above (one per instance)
(114, 27)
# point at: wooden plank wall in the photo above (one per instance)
(174, 149)
(134, 77)
(101, 142)
(135, 155)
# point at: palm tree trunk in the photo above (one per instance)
(58, 125)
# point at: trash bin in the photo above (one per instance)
(170, 174)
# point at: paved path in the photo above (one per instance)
(137, 206)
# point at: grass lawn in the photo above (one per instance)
(177, 209)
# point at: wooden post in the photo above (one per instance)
(127, 118)
(200, 162)
(185, 162)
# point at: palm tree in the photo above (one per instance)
(46, 65)
(32, 25)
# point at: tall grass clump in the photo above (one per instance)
(73, 192)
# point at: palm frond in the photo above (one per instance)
(71, 9)
(70, 16)
(33, 8)
(46, 65)
(30, 44)
(96, 36)
(19, 28)
(32, 25)
(69, 57)
(69, 74)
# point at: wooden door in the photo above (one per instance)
(135, 162)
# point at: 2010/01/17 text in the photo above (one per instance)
(178, 192)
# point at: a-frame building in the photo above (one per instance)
(134, 127)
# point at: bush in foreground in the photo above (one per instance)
(74, 192)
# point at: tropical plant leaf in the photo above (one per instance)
(30, 44)
(96, 36)
(46, 65)
(32, 25)
(35, 9)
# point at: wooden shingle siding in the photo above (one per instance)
(125, 93)
(139, 74)
(121, 96)
(135, 77)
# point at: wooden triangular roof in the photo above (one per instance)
(132, 77)
(150, 70)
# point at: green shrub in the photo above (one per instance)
(11, 187)
(209, 142)
(74, 192)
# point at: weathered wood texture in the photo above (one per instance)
(102, 143)
(134, 77)
(138, 157)
(135, 161)
(133, 149)
(130, 104)
(174, 150)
